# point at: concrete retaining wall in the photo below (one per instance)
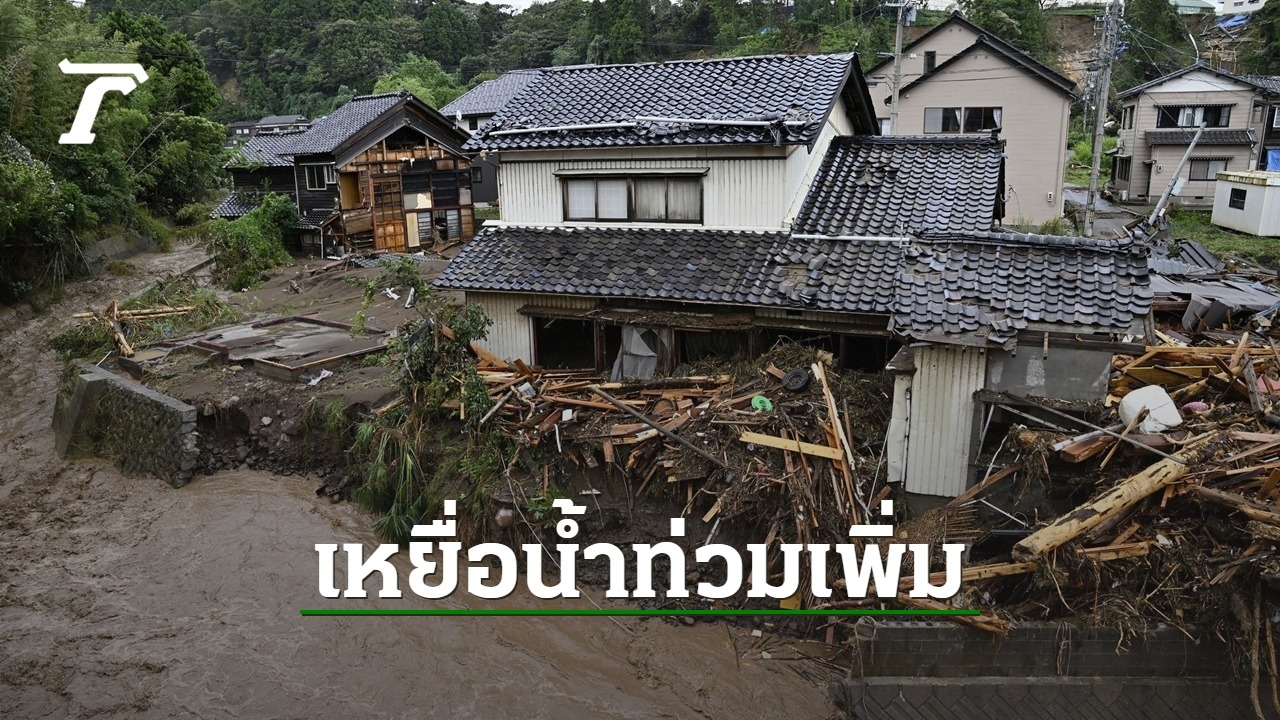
(101, 414)
(1040, 670)
(948, 650)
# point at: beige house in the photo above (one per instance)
(959, 79)
(1159, 119)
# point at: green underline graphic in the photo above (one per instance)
(629, 612)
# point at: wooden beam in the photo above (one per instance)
(792, 445)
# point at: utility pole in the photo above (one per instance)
(903, 7)
(1101, 93)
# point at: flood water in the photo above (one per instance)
(121, 597)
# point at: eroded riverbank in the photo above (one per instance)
(121, 597)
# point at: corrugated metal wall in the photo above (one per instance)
(942, 416)
(741, 193)
(511, 335)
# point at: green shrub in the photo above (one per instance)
(246, 248)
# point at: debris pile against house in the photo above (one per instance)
(727, 442)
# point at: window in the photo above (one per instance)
(1207, 168)
(647, 199)
(1237, 198)
(981, 119)
(1187, 116)
(477, 175)
(320, 176)
(1126, 118)
(942, 120)
(1275, 117)
(1123, 167)
(884, 126)
(473, 123)
(930, 61)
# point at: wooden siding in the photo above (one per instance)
(325, 199)
(275, 179)
(942, 418)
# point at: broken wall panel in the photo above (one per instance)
(1063, 373)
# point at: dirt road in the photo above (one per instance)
(121, 597)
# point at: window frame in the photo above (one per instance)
(930, 61)
(1210, 174)
(1175, 114)
(1242, 194)
(942, 121)
(1127, 164)
(327, 175)
(1126, 117)
(632, 215)
(1275, 117)
(993, 110)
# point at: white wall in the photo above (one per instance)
(511, 335)
(1261, 213)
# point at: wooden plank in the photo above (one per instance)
(973, 492)
(792, 445)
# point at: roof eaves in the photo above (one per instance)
(1014, 55)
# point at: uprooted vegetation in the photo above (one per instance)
(166, 310)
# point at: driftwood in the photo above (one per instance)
(1124, 496)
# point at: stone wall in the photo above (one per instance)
(100, 414)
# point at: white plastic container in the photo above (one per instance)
(1162, 413)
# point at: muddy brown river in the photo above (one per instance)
(123, 598)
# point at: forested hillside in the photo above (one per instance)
(159, 151)
(154, 153)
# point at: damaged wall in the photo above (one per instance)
(1063, 374)
(100, 414)
(511, 335)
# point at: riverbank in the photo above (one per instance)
(122, 597)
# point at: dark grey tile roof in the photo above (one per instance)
(991, 285)
(971, 287)
(690, 265)
(270, 150)
(899, 185)
(490, 96)
(328, 133)
(313, 219)
(282, 120)
(1209, 137)
(775, 88)
(236, 205)
(1270, 83)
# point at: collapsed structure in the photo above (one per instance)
(383, 172)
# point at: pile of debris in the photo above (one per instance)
(1182, 519)
(773, 448)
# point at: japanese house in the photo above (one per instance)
(392, 168)
(383, 172)
(959, 79)
(1159, 119)
(473, 110)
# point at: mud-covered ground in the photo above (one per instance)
(121, 598)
